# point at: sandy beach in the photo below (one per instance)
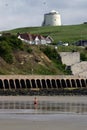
(61, 121)
(43, 122)
(45, 98)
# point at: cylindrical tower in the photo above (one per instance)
(52, 19)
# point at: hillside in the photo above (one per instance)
(17, 57)
(20, 58)
(24, 62)
(69, 33)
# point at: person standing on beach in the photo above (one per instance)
(35, 103)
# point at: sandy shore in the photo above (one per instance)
(45, 98)
(43, 121)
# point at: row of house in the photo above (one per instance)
(35, 38)
(81, 43)
(39, 39)
(32, 38)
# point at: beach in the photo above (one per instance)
(44, 122)
(45, 98)
(35, 121)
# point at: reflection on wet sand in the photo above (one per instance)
(59, 113)
(45, 106)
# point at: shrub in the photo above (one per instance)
(29, 50)
(7, 44)
(55, 57)
(83, 57)
(50, 52)
(6, 52)
(15, 42)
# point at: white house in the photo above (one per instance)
(35, 39)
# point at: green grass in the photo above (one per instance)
(69, 33)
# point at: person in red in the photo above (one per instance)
(35, 103)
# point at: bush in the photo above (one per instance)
(7, 44)
(12, 41)
(55, 57)
(29, 50)
(8, 58)
(15, 42)
(83, 57)
(50, 52)
(6, 52)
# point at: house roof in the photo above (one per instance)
(26, 36)
(30, 37)
(49, 37)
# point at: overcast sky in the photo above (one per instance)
(25, 13)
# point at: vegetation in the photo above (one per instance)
(83, 57)
(7, 44)
(20, 58)
(53, 55)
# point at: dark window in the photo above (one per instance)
(33, 83)
(53, 82)
(58, 83)
(1, 84)
(83, 83)
(68, 83)
(43, 83)
(63, 83)
(38, 83)
(11, 82)
(17, 82)
(73, 83)
(6, 83)
(48, 83)
(28, 83)
(22, 82)
(86, 82)
(78, 83)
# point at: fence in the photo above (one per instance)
(46, 106)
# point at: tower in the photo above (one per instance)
(52, 18)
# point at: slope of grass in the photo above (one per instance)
(69, 33)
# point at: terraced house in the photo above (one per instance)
(35, 38)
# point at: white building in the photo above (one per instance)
(35, 38)
(52, 18)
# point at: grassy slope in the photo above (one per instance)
(70, 33)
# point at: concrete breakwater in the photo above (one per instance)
(37, 82)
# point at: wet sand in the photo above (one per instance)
(43, 121)
(45, 98)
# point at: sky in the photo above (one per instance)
(29, 13)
